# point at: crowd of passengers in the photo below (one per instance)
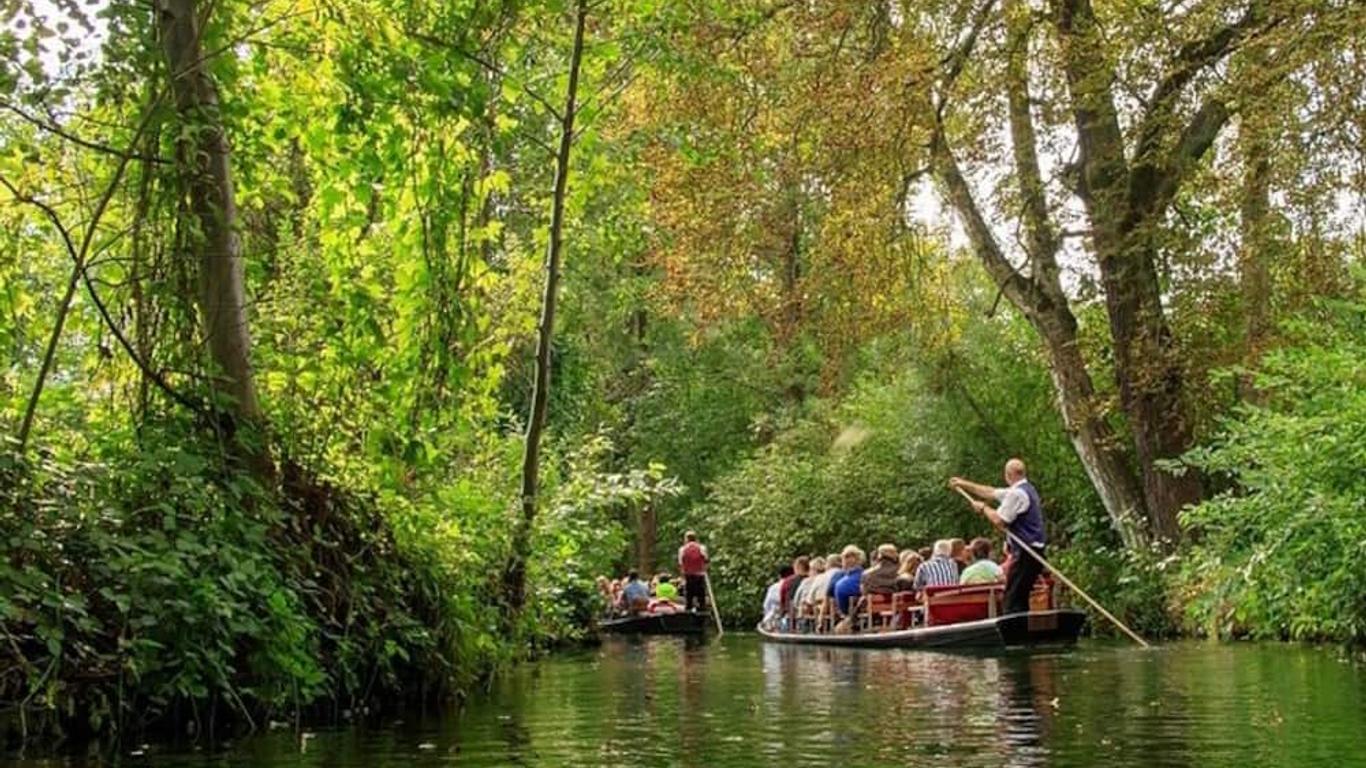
(630, 596)
(826, 593)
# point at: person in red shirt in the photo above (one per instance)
(692, 563)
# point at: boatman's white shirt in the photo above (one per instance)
(1011, 502)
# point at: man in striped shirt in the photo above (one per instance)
(939, 569)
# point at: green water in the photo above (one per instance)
(741, 702)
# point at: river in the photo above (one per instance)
(741, 702)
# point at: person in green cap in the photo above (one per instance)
(666, 589)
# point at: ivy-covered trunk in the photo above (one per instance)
(203, 160)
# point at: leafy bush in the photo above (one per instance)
(1280, 554)
(1131, 584)
(581, 534)
(149, 584)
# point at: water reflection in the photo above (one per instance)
(960, 710)
(742, 702)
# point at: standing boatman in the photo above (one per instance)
(1020, 512)
(692, 563)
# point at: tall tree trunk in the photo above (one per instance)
(647, 539)
(1126, 206)
(1039, 295)
(1151, 386)
(1106, 462)
(514, 577)
(1256, 246)
(1040, 299)
(204, 160)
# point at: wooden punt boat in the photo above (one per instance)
(1036, 628)
(678, 623)
(950, 616)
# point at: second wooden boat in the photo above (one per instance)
(677, 623)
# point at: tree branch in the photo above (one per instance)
(1193, 58)
(1023, 291)
(1104, 168)
(487, 64)
(57, 130)
(953, 63)
(1040, 236)
(1152, 188)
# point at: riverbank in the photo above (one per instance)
(150, 590)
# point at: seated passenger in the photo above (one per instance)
(635, 596)
(666, 590)
(773, 597)
(905, 575)
(803, 601)
(800, 569)
(823, 590)
(983, 570)
(939, 570)
(836, 570)
(881, 578)
(849, 588)
(959, 554)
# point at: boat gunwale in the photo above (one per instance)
(695, 623)
(903, 637)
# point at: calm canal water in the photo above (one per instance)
(741, 702)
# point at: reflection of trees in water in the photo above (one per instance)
(889, 706)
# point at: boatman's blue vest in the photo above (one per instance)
(1028, 526)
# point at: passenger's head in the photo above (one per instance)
(943, 548)
(785, 571)
(887, 553)
(925, 553)
(833, 561)
(689, 536)
(981, 549)
(663, 578)
(801, 565)
(958, 549)
(910, 560)
(633, 575)
(1014, 471)
(852, 556)
(818, 564)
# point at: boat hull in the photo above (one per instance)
(681, 623)
(1037, 628)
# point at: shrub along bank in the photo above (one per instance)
(149, 586)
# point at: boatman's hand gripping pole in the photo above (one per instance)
(1020, 545)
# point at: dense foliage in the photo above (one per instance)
(1279, 554)
(271, 273)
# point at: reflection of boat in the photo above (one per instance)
(1052, 627)
(678, 623)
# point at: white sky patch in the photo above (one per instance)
(79, 31)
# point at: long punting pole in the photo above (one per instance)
(1063, 578)
(711, 599)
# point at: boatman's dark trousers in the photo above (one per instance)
(695, 589)
(1024, 571)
